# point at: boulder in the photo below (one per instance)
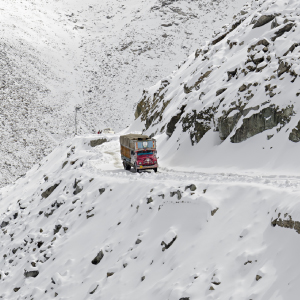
(214, 211)
(192, 187)
(138, 241)
(4, 224)
(28, 274)
(50, 190)
(220, 91)
(149, 200)
(98, 258)
(101, 191)
(56, 229)
(98, 142)
(178, 193)
(263, 20)
(258, 277)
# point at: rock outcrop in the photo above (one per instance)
(235, 85)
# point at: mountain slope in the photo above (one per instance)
(77, 226)
(236, 99)
(100, 55)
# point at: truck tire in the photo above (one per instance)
(126, 166)
(155, 170)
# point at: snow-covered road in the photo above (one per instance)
(108, 163)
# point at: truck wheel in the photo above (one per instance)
(126, 166)
(155, 170)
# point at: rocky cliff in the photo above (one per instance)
(243, 83)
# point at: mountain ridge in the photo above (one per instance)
(240, 88)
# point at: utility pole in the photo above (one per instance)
(77, 108)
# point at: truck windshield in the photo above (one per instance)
(145, 153)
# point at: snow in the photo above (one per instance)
(221, 232)
(78, 226)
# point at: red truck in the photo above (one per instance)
(139, 152)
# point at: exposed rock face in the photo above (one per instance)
(174, 120)
(221, 37)
(146, 107)
(283, 68)
(97, 142)
(200, 79)
(239, 98)
(295, 134)
(197, 123)
(267, 118)
(263, 20)
(282, 30)
(50, 190)
(286, 222)
(226, 124)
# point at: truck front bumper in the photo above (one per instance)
(140, 167)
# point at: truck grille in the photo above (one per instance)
(147, 162)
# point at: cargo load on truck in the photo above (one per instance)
(138, 151)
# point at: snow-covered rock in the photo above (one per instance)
(233, 237)
(236, 99)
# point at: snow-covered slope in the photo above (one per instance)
(234, 102)
(98, 54)
(79, 227)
